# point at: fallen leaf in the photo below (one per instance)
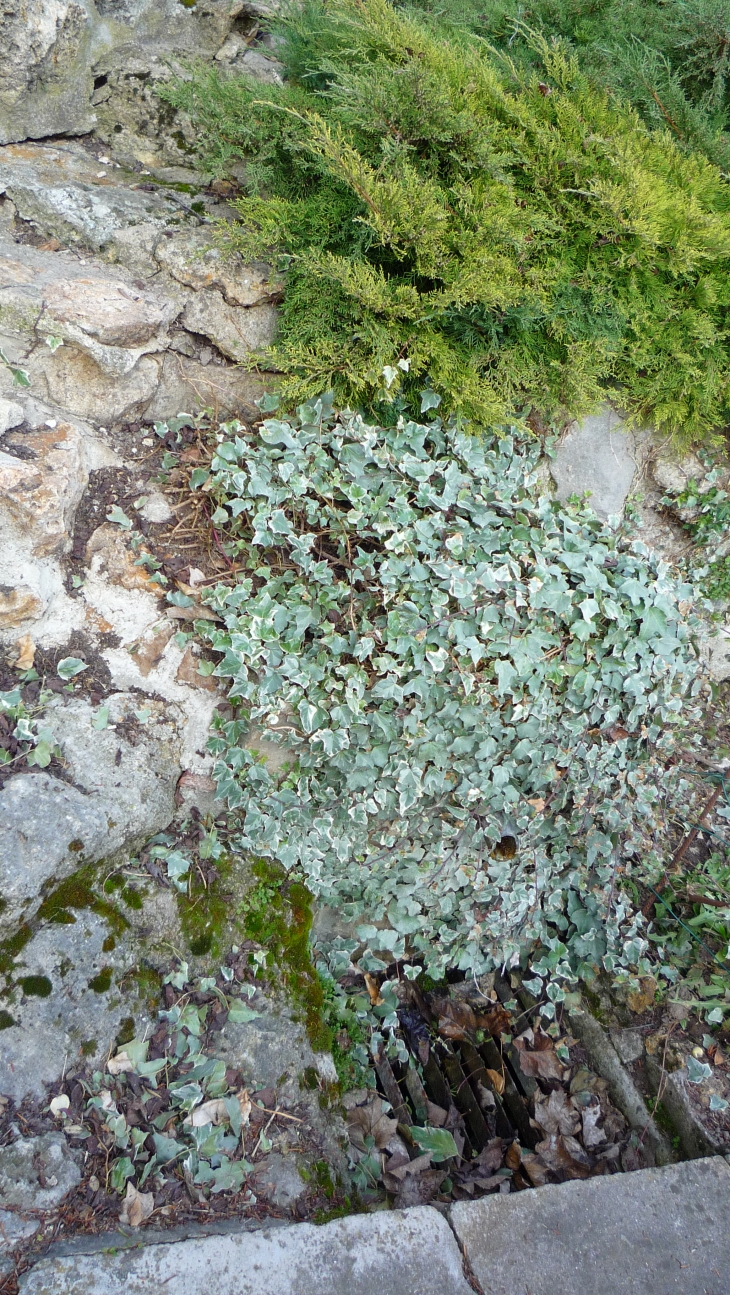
(538, 804)
(641, 999)
(373, 988)
(26, 653)
(496, 1080)
(244, 1101)
(419, 1189)
(456, 1019)
(564, 1155)
(491, 1156)
(542, 1062)
(436, 1115)
(59, 1105)
(554, 1114)
(495, 1021)
(592, 1135)
(513, 1157)
(137, 1207)
(212, 1112)
(120, 1065)
(536, 1171)
(370, 1121)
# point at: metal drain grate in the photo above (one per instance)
(457, 1074)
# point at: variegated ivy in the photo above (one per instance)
(451, 659)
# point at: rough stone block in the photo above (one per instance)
(409, 1252)
(653, 1232)
(598, 456)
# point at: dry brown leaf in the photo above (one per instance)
(26, 653)
(538, 804)
(542, 1062)
(513, 1157)
(564, 1156)
(491, 1156)
(137, 1207)
(436, 1115)
(369, 1121)
(373, 988)
(592, 1135)
(496, 1080)
(244, 1101)
(120, 1065)
(212, 1112)
(641, 999)
(419, 1189)
(495, 1021)
(554, 1114)
(456, 1019)
(536, 1171)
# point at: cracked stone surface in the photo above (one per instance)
(405, 1252)
(599, 456)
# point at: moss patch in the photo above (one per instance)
(6, 1020)
(277, 913)
(101, 983)
(36, 986)
(81, 891)
(10, 948)
(205, 911)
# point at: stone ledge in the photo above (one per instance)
(652, 1232)
(411, 1252)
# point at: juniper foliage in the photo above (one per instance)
(454, 221)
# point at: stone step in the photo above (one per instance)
(653, 1232)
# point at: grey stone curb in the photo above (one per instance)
(653, 1232)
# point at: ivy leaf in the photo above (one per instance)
(239, 1013)
(697, 1071)
(439, 1142)
(117, 514)
(70, 666)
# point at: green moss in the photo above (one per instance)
(76, 846)
(6, 1020)
(148, 983)
(109, 944)
(132, 898)
(278, 915)
(126, 1031)
(80, 891)
(36, 986)
(101, 983)
(205, 912)
(10, 948)
(88, 1048)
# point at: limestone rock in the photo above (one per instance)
(66, 193)
(11, 415)
(189, 257)
(598, 456)
(41, 819)
(36, 1173)
(18, 603)
(73, 381)
(235, 331)
(45, 84)
(41, 491)
(121, 790)
(55, 51)
(186, 383)
(92, 966)
(14, 1229)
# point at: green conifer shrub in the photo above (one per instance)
(452, 222)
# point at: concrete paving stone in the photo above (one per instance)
(408, 1252)
(653, 1232)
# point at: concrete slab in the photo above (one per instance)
(409, 1252)
(599, 456)
(653, 1232)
